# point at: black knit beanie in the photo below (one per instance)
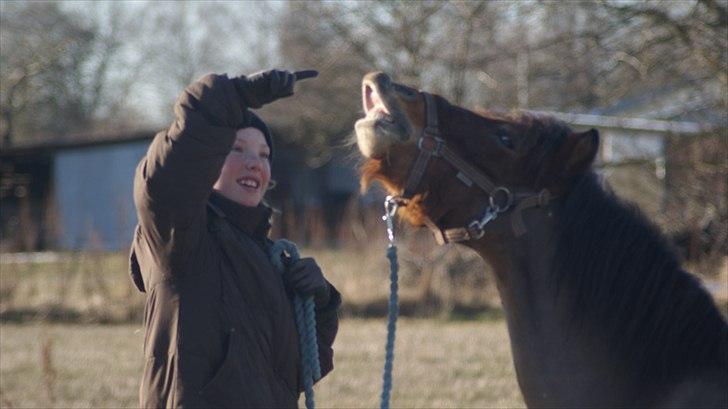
(257, 123)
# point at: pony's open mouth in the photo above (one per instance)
(385, 122)
(374, 107)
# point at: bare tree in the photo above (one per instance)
(62, 70)
(71, 67)
(181, 41)
(39, 72)
(701, 27)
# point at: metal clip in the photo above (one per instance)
(475, 232)
(490, 215)
(391, 204)
(476, 227)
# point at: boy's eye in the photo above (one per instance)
(237, 148)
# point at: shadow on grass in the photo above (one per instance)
(430, 308)
(54, 313)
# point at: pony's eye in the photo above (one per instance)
(506, 141)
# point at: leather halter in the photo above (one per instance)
(500, 198)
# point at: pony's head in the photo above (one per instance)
(520, 152)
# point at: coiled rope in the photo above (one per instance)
(305, 321)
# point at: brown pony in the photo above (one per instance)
(599, 312)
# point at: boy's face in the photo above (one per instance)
(246, 173)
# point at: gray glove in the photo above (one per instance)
(265, 87)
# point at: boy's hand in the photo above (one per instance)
(305, 278)
(265, 87)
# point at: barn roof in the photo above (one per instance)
(44, 146)
(636, 124)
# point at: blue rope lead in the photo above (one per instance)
(305, 322)
(391, 325)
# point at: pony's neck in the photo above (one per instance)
(522, 265)
(555, 365)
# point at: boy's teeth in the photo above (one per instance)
(250, 183)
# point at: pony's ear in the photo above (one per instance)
(577, 152)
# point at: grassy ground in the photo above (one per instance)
(437, 364)
(78, 363)
(95, 287)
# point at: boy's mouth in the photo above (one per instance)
(249, 183)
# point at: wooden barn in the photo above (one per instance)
(74, 194)
(77, 194)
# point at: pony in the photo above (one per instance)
(599, 311)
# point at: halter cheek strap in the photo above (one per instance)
(430, 144)
(500, 199)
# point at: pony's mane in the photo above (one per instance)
(627, 286)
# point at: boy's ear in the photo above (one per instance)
(577, 153)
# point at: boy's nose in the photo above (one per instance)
(253, 162)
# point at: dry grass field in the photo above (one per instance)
(437, 364)
(68, 338)
(71, 333)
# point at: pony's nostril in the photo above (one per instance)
(367, 98)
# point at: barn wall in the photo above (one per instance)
(94, 197)
(24, 192)
(642, 183)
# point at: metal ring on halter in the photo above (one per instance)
(498, 207)
(437, 148)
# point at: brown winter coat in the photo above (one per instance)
(220, 331)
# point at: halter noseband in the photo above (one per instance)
(500, 198)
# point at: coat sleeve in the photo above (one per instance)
(327, 325)
(173, 181)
